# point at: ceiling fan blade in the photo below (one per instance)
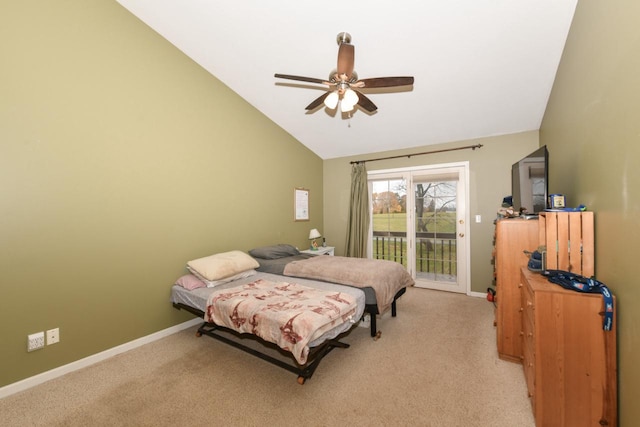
(365, 102)
(317, 102)
(346, 58)
(302, 79)
(384, 82)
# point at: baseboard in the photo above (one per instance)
(90, 360)
(478, 294)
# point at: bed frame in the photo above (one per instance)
(304, 372)
(316, 354)
(372, 309)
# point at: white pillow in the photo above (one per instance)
(223, 265)
(214, 283)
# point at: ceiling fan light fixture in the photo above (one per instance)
(345, 107)
(343, 78)
(331, 101)
(349, 100)
(350, 97)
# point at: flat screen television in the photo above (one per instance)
(530, 182)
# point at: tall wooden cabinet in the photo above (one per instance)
(513, 237)
(569, 239)
(569, 360)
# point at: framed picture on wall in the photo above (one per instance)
(300, 204)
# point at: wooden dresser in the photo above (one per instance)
(569, 360)
(513, 237)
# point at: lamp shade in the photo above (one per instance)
(349, 100)
(331, 101)
(314, 234)
(350, 97)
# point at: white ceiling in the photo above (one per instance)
(481, 67)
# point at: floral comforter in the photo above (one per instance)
(287, 314)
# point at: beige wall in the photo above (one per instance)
(121, 159)
(592, 127)
(490, 181)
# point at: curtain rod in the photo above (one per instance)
(473, 147)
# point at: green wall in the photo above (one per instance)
(489, 180)
(120, 160)
(592, 128)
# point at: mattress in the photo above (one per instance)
(197, 298)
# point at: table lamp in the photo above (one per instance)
(313, 235)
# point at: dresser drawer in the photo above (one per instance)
(528, 340)
(529, 366)
(527, 298)
(527, 307)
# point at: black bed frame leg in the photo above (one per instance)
(373, 311)
(375, 333)
(374, 329)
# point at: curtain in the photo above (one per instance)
(358, 226)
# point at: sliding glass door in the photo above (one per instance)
(419, 219)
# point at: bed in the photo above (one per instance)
(382, 281)
(296, 322)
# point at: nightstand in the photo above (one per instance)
(322, 250)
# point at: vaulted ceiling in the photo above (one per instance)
(481, 67)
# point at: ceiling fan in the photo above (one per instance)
(344, 85)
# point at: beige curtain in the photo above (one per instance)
(358, 226)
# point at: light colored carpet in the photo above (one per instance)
(435, 365)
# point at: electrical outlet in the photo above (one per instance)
(35, 341)
(53, 336)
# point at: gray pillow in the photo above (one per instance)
(274, 251)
